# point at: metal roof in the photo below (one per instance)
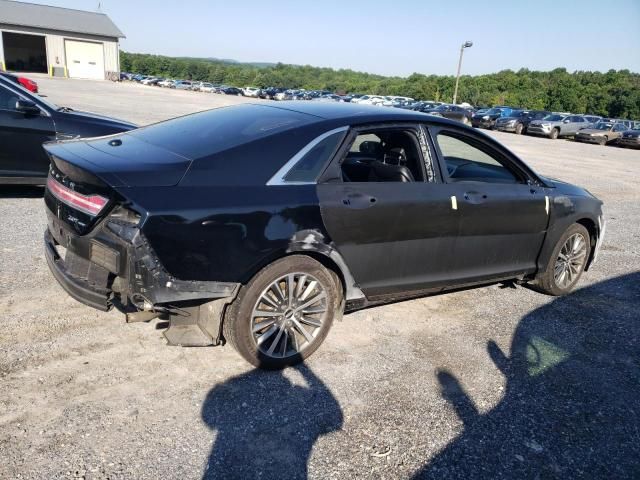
(57, 18)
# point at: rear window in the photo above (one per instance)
(206, 133)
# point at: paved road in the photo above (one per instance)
(497, 382)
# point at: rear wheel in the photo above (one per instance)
(554, 134)
(519, 129)
(567, 262)
(284, 313)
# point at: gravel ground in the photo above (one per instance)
(495, 382)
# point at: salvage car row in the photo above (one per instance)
(583, 128)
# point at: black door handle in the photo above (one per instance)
(475, 197)
(359, 201)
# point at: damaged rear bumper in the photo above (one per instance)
(114, 265)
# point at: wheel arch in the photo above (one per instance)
(594, 233)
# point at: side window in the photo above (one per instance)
(8, 99)
(308, 167)
(384, 155)
(467, 162)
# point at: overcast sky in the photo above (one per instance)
(387, 37)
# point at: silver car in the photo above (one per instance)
(558, 125)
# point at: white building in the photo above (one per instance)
(58, 41)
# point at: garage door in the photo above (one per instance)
(85, 59)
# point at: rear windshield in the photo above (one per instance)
(206, 133)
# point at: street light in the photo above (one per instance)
(466, 44)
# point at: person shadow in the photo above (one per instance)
(266, 423)
(571, 407)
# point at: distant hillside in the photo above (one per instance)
(613, 94)
(230, 61)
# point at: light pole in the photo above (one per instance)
(466, 44)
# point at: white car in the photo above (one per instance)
(390, 100)
(165, 83)
(207, 87)
(251, 91)
(148, 80)
(371, 100)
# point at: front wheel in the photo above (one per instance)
(567, 262)
(284, 313)
(602, 141)
(555, 133)
(519, 129)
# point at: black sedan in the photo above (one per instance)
(27, 121)
(231, 91)
(630, 138)
(452, 112)
(260, 224)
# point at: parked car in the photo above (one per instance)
(519, 120)
(421, 106)
(630, 138)
(27, 121)
(369, 100)
(488, 119)
(592, 119)
(207, 87)
(602, 133)
(20, 80)
(182, 85)
(231, 91)
(251, 92)
(150, 81)
(452, 112)
(558, 125)
(261, 225)
(167, 83)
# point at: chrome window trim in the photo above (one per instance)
(278, 177)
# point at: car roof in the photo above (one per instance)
(356, 113)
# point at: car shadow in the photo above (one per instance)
(21, 191)
(266, 423)
(571, 407)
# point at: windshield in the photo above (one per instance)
(493, 111)
(553, 118)
(442, 108)
(603, 126)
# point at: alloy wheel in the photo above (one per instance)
(288, 315)
(571, 260)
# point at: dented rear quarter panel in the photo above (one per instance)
(229, 233)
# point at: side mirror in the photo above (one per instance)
(27, 107)
(565, 121)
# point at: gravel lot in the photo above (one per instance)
(497, 382)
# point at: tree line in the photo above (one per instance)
(615, 93)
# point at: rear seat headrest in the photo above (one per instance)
(370, 148)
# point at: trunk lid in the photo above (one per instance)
(122, 160)
(85, 174)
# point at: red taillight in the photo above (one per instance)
(89, 204)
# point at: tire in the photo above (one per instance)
(284, 343)
(519, 129)
(551, 281)
(602, 141)
(465, 121)
(555, 133)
